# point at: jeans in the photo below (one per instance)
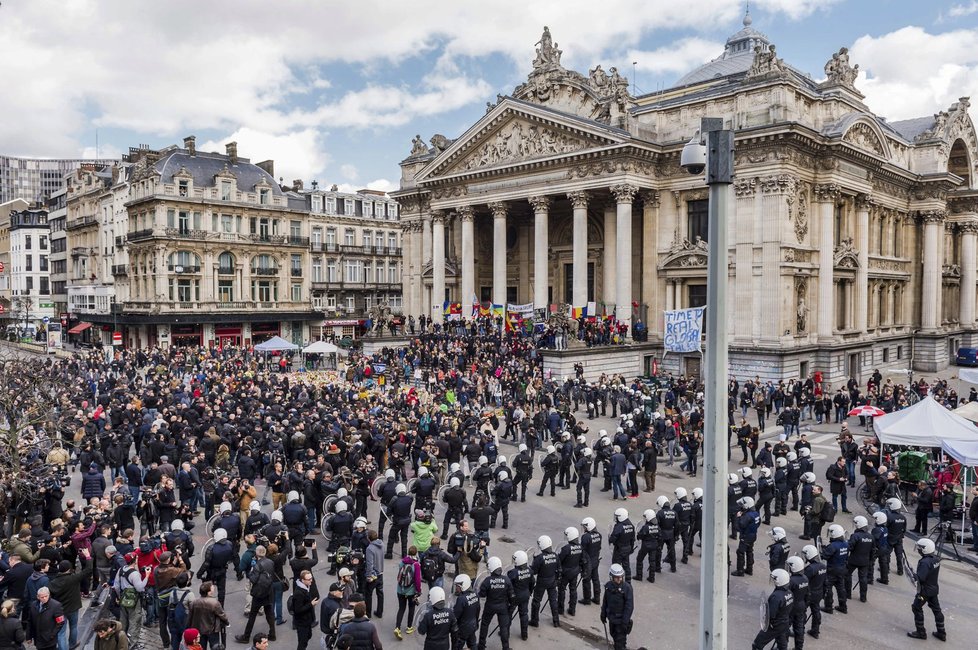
(835, 501)
(616, 486)
(277, 591)
(851, 471)
(210, 640)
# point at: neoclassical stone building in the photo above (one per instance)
(852, 239)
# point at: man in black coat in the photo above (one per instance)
(304, 601)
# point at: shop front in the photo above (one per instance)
(228, 335)
(261, 332)
(183, 335)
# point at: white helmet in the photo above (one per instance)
(494, 564)
(732, 479)
(522, 447)
(860, 522)
(454, 482)
(501, 460)
(746, 472)
(589, 524)
(810, 552)
(616, 571)
(503, 476)
(519, 558)
(587, 452)
(340, 506)
(781, 461)
(804, 452)
(454, 467)
(177, 524)
(879, 517)
(220, 535)
(225, 507)
(551, 449)
(808, 477)
(436, 595)
(792, 456)
(765, 472)
(389, 475)
(780, 578)
(293, 496)
(649, 514)
(422, 471)
(796, 564)
(483, 460)
(697, 493)
(361, 522)
(342, 493)
(400, 489)
(621, 514)
(255, 506)
(746, 502)
(662, 501)
(463, 582)
(836, 531)
(925, 546)
(680, 493)
(277, 515)
(777, 533)
(571, 534)
(894, 504)
(581, 440)
(544, 542)
(603, 433)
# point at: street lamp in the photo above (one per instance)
(716, 157)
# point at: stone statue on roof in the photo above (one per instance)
(418, 147)
(598, 78)
(765, 61)
(548, 54)
(839, 71)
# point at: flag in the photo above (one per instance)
(498, 310)
(512, 321)
(445, 311)
(576, 312)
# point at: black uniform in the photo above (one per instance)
(733, 496)
(401, 509)
(523, 464)
(438, 626)
(546, 573)
(501, 495)
(815, 572)
(622, 541)
(466, 610)
(456, 504)
(498, 592)
(765, 492)
(521, 578)
(215, 565)
(777, 555)
(616, 610)
(550, 464)
(780, 604)
(881, 551)
(836, 556)
(667, 538)
(928, 571)
(799, 593)
(591, 544)
(781, 491)
(747, 524)
(697, 525)
(684, 525)
(573, 564)
(896, 528)
(388, 490)
(648, 535)
(583, 469)
(860, 560)
(424, 492)
(794, 479)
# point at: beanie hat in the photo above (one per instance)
(190, 635)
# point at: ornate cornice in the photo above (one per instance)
(778, 184)
(623, 192)
(578, 199)
(827, 192)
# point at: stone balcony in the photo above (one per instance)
(169, 307)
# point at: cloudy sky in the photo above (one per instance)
(334, 91)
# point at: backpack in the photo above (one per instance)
(178, 610)
(828, 512)
(261, 581)
(430, 566)
(129, 597)
(290, 604)
(405, 575)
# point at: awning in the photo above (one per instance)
(79, 328)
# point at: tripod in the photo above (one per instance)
(939, 535)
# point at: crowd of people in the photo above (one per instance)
(166, 442)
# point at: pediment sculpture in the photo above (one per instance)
(520, 141)
(845, 255)
(864, 137)
(766, 62)
(839, 72)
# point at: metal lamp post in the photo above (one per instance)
(715, 570)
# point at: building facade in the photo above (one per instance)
(57, 207)
(852, 240)
(28, 267)
(36, 179)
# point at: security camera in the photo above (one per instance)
(693, 158)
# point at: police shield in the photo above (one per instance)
(207, 545)
(479, 579)
(211, 524)
(442, 491)
(324, 527)
(765, 615)
(329, 503)
(375, 486)
(422, 612)
(410, 483)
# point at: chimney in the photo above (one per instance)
(190, 144)
(115, 173)
(297, 185)
(232, 151)
(268, 166)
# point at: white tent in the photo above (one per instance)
(925, 424)
(320, 347)
(963, 451)
(275, 344)
(969, 375)
(968, 411)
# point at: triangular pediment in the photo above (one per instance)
(514, 132)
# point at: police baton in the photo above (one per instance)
(605, 625)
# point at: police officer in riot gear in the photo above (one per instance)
(815, 571)
(457, 504)
(881, 547)
(777, 553)
(550, 465)
(799, 592)
(523, 464)
(616, 610)
(896, 528)
(424, 490)
(573, 564)
(497, 591)
(748, 521)
(622, 541)
(501, 494)
(928, 572)
(765, 494)
(438, 625)
(387, 492)
(734, 492)
(780, 605)
(591, 545)
(546, 573)
(697, 524)
(836, 556)
(648, 536)
(521, 577)
(466, 610)
(401, 508)
(583, 468)
(684, 521)
(781, 486)
(860, 556)
(667, 533)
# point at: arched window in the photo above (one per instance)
(225, 263)
(264, 265)
(958, 162)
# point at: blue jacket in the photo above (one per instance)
(617, 464)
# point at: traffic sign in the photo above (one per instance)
(116, 338)
(45, 320)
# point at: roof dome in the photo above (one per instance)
(737, 57)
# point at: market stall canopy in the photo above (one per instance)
(963, 451)
(275, 344)
(320, 347)
(968, 411)
(969, 375)
(79, 328)
(925, 424)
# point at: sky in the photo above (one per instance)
(335, 91)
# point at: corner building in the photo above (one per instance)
(852, 239)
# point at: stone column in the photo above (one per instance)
(826, 196)
(933, 221)
(650, 259)
(863, 203)
(466, 216)
(541, 250)
(436, 308)
(425, 304)
(969, 236)
(609, 270)
(498, 252)
(623, 286)
(579, 201)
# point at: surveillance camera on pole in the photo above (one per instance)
(693, 158)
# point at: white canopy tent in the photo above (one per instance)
(968, 411)
(966, 453)
(925, 424)
(969, 375)
(320, 347)
(276, 344)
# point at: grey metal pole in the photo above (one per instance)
(714, 568)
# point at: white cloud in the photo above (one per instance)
(103, 151)
(960, 11)
(349, 172)
(795, 9)
(675, 58)
(943, 68)
(299, 154)
(381, 185)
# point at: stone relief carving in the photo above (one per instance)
(765, 63)
(864, 137)
(418, 147)
(887, 265)
(548, 54)
(838, 70)
(797, 256)
(778, 184)
(951, 271)
(845, 254)
(597, 168)
(521, 141)
(827, 192)
(745, 187)
(448, 192)
(801, 307)
(798, 211)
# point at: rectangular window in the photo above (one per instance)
(348, 207)
(839, 223)
(296, 267)
(264, 290)
(330, 205)
(366, 238)
(697, 216)
(29, 285)
(263, 196)
(349, 237)
(358, 208)
(317, 270)
(263, 229)
(227, 223)
(352, 271)
(28, 263)
(330, 237)
(225, 290)
(331, 271)
(351, 304)
(296, 292)
(44, 263)
(368, 209)
(331, 301)
(225, 190)
(368, 272)
(391, 241)
(183, 188)
(43, 241)
(392, 273)
(27, 242)
(317, 204)
(183, 223)
(295, 229)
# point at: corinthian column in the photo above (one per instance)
(623, 286)
(541, 252)
(610, 253)
(466, 215)
(826, 197)
(863, 204)
(933, 238)
(969, 235)
(579, 201)
(438, 265)
(498, 252)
